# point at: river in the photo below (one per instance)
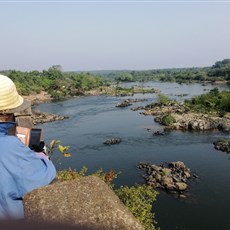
(93, 119)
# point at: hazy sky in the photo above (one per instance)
(99, 35)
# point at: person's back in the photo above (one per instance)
(21, 172)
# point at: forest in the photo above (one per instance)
(220, 71)
(60, 84)
(54, 81)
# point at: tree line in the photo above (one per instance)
(220, 71)
(57, 83)
(60, 84)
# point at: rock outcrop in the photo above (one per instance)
(223, 145)
(185, 119)
(112, 141)
(124, 103)
(155, 109)
(86, 202)
(42, 117)
(128, 102)
(194, 121)
(172, 178)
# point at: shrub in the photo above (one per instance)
(167, 120)
(214, 101)
(139, 199)
(67, 174)
(163, 99)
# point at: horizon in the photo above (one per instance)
(110, 70)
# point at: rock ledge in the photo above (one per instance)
(87, 201)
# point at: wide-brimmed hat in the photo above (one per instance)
(9, 97)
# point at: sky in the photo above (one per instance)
(113, 35)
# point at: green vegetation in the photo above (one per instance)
(138, 199)
(57, 83)
(220, 71)
(61, 84)
(163, 100)
(213, 101)
(167, 120)
(70, 174)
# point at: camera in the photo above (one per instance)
(31, 137)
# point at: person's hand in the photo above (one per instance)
(41, 155)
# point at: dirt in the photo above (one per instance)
(38, 98)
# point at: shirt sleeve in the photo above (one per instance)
(31, 171)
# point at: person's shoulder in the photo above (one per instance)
(9, 137)
(13, 139)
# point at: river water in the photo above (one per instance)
(94, 119)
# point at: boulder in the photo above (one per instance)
(178, 164)
(223, 145)
(171, 177)
(124, 104)
(129, 102)
(180, 186)
(112, 141)
(166, 171)
(86, 202)
(167, 182)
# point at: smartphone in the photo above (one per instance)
(35, 137)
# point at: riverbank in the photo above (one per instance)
(38, 98)
(44, 97)
(179, 117)
(39, 117)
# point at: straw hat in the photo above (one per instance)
(9, 97)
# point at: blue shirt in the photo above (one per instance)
(21, 171)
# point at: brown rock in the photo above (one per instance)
(87, 201)
(155, 167)
(166, 171)
(42, 117)
(178, 164)
(167, 182)
(187, 174)
(181, 186)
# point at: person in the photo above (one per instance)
(21, 169)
